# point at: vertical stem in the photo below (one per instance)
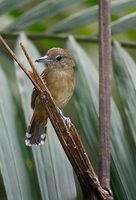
(104, 92)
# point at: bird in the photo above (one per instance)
(59, 76)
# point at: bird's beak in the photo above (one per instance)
(45, 59)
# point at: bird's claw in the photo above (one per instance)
(60, 111)
(66, 119)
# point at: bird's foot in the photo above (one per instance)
(66, 119)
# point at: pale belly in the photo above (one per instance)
(61, 86)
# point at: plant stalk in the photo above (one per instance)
(104, 93)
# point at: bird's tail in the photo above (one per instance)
(36, 132)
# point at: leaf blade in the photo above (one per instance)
(89, 16)
(126, 68)
(121, 150)
(13, 161)
(6, 6)
(42, 11)
(123, 24)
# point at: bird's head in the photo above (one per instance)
(57, 58)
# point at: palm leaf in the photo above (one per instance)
(126, 23)
(89, 15)
(124, 70)
(86, 102)
(15, 163)
(6, 6)
(41, 12)
(125, 78)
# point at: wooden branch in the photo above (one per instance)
(69, 138)
(104, 93)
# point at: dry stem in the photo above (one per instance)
(104, 92)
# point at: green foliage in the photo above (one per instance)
(43, 10)
(88, 119)
(124, 24)
(16, 163)
(90, 15)
(6, 6)
(45, 172)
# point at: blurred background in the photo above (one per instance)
(45, 172)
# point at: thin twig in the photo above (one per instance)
(104, 92)
(69, 138)
(64, 37)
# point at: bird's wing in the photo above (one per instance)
(35, 93)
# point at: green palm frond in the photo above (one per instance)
(89, 16)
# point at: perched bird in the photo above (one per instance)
(60, 79)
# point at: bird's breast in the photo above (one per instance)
(61, 85)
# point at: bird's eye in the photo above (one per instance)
(58, 58)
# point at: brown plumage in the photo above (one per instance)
(60, 80)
